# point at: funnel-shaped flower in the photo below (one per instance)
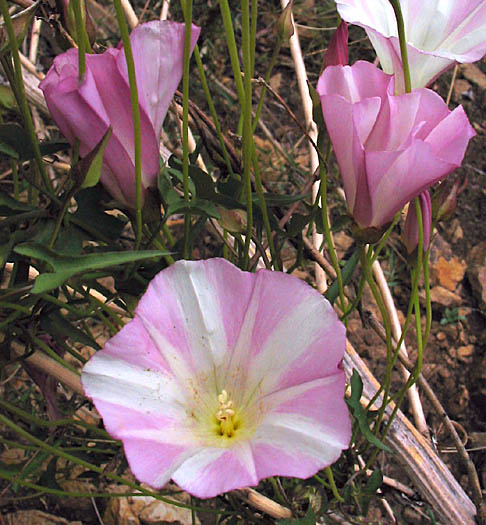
(438, 33)
(224, 378)
(410, 234)
(84, 110)
(389, 148)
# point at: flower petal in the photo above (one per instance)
(308, 429)
(158, 52)
(438, 32)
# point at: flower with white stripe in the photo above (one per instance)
(223, 378)
(438, 33)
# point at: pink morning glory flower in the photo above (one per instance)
(223, 378)
(438, 32)
(389, 148)
(84, 110)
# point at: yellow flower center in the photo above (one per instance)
(226, 416)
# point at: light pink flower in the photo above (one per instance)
(438, 32)
(85, 110)
(410, 234)
(223, 378)
(389, 148)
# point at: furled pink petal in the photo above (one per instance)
(87, 115)
(389, 147)
(268, 340)
(337, 53)
(84, 110)
(438, 33)
(119, 155)
(410, 234)
(158, 51)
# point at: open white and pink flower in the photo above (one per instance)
(438, 32)
(223, 378)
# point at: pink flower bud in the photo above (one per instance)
(337, 53)
(444, 199)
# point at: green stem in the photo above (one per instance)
(327, 226)
(263, 206)
(187, 5)
(233, 49)
(81, 40)
(212, 109)
(247, 125)
(253, 29)
(137, 131)
(403, 44)
(428, 305)
(332, 483)
(385, 387)
(268, 75)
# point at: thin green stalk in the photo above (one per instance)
(159, 244)
(332, 483)
(21, 98)
(137, 132)
(60, 218)
(385, 386)
(81, 40)
(29, 418)
(327, 226)
(418, 324)
(374, 254)
(268, 75)
(247, 125)
(415, 302)
(253, 30)
(45, 348)
(428, 305)
(403, 44)
(263, 206)
(232, 49)
(212, 109)
(185, 123)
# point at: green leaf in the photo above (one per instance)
(92, 162)
(346, 273)
(49, 148)
(204, 184)
(17, 139)
(48, 477)
(10, 206)
(58, 327)
(8, 151)
(195, 206)
(7, 98)
(359, 413)
(375, 481)
(64, 267)
(91, 213)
